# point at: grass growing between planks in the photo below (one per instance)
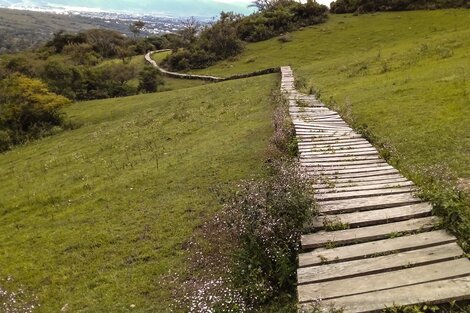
(403, 79)
(91, 220)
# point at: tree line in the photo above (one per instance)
(368, 6)
(198, 47)
(94, 64)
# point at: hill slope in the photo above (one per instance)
(91, 219)
(404, 76)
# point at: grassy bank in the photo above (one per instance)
(405, 76)
(92, 219)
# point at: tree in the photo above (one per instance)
(149, 80)
(265, 5)
(136, 27)
(191, 28)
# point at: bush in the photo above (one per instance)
(149, 80)
(267, 218)
(282, 16)
(27, 110)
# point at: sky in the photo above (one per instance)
(206, 8)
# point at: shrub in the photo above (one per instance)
(267, 218)
(27, 109)
(149, 80)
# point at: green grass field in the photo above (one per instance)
(92, 219)
(406, 75)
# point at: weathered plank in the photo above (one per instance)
(384, 281)
(368, 218)
(369, 203)
(335, 271)
(358, 235)
(350, 166)
(351, 180)
(338, 176)
(437, 292)
(332, 138)
(335, 149)
(344, 163)
(346, 169)
(361, 172)
(395, 183)
(333, 159)
(362, 193)
(332, 144)
(327, 152)
(370, 249)
(349, 154)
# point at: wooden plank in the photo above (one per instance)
(432, 293)
(335, 271)
(353, 171)
(332, 151)
(325, 134)
(335, 149)
(331, 139)
(323, 121)
(368, 218)
(328, 152)
(334, 159)
(395, 183)
(369, 203)
(362, 193)
(358, 235)
(342, 169)
(373, 179)
(332, 144)
(309, 126)
(321, 112)
(349, 154)
(319, 126)
(362, 175)
(384, 281)
(344, 163)
(349, 165)
(371, 249)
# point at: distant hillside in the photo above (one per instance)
(21, 30)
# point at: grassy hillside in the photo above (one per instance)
(92, 219)
(405, 76)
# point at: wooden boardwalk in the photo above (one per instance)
(376, 243)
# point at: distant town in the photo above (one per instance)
(155, 23)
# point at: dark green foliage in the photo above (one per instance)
(267, 217)
(149, 80)
(365, 6)
(70, 64)
(224, 39)
(216, 42)
(27, 110)
(61, 39)
(280, 17)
